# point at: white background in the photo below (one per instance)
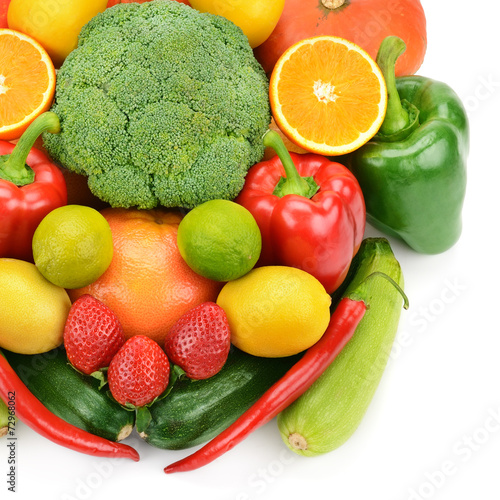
(433, 428)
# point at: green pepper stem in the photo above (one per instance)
(292, 183)
(13, 167)
(396, 117)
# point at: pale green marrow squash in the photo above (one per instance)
(329, 412)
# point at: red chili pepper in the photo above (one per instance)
(35, 415)
(295, 382)
(31, 186)
(310, 211)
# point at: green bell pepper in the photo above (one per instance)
(413, 172)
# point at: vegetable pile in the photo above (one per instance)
(165, 112)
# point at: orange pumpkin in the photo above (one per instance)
(364, 22)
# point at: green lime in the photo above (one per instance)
(72, 246)
(219, 240)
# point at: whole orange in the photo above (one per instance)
(148, 285)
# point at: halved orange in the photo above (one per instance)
(327, 95)
(27, 82)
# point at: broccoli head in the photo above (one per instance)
(160, 105)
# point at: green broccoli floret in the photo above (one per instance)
(160, 105)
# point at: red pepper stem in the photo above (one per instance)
(292, 183)
(13, 167)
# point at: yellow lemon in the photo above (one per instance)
(33, 311)
(275, 311)
(54, 25)
(73, 246)
(256, 18)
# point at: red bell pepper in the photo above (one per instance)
(31, 186)
(4, 7)
(310, 211)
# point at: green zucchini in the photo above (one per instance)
(70, 395)
(194, 412)
(329, 412)
(4, 418)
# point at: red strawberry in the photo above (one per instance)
(139, 372)
(199, 341)
(92, 334)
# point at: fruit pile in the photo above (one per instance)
(182, 238)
